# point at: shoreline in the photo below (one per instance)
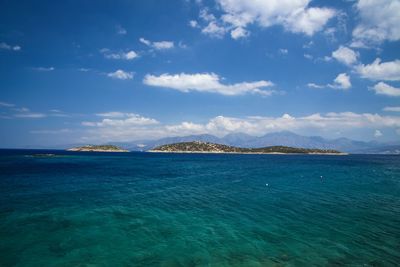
(250, 153)
(97, 150)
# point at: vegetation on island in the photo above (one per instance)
(205, 147)
(98, 148)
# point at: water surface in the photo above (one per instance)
(148, 209)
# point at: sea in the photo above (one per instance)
(61, 208)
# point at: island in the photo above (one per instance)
(205, 147)
(98, 148)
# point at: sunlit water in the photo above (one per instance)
(145, 209)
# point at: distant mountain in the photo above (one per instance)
(393, 149)
(284, 138)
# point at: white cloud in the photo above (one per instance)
(283, 51)
(121, 75)
(161, 45)
(308, 56)
(9, 47)
(345, 55)
(388, 71)
(294, 15)
(58, 113)
(144, 41)
(26, 113)
(214, 30)
(127, 120)
(193, 24)
(379, 21)
(206, 82)
(30, 115)
(382, 88)
(308, 45)
(59, 131)
(330, 33)
(394, 109)
(44, 69)
(206, 16)
(147, 128)
(7, 105)
(342, 81)
(112, 114)
(239, 32)
(308, 21)
(21, 109)
(378, 133)
(317, 86)
(130, 55)
(121, 30)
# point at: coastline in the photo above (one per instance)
(96, 150)
(250, 153)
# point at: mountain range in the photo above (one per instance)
(285, 138)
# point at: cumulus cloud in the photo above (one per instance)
(345, 55)
(118, 129)
(388, 71)
(193, 24)
(121, 75)
(295, 16)
(239, 32)
(161, 45)
(206, 82)
(379, 21)
(124, 120)
(129, 55)
(6, 46)
(214, 30)
(382, 88)
(342, 82)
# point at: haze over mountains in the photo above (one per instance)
(285, 138)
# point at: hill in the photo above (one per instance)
(284, 138)
(205, 147)
(98, 148)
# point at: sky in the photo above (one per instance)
(120, 71)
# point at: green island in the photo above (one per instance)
(205, 147)
(98, 148)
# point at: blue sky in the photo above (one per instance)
(102, 71)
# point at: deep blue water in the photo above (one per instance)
(145, 209)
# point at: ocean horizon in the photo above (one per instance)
(63, 208)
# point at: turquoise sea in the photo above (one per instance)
(148, 209)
